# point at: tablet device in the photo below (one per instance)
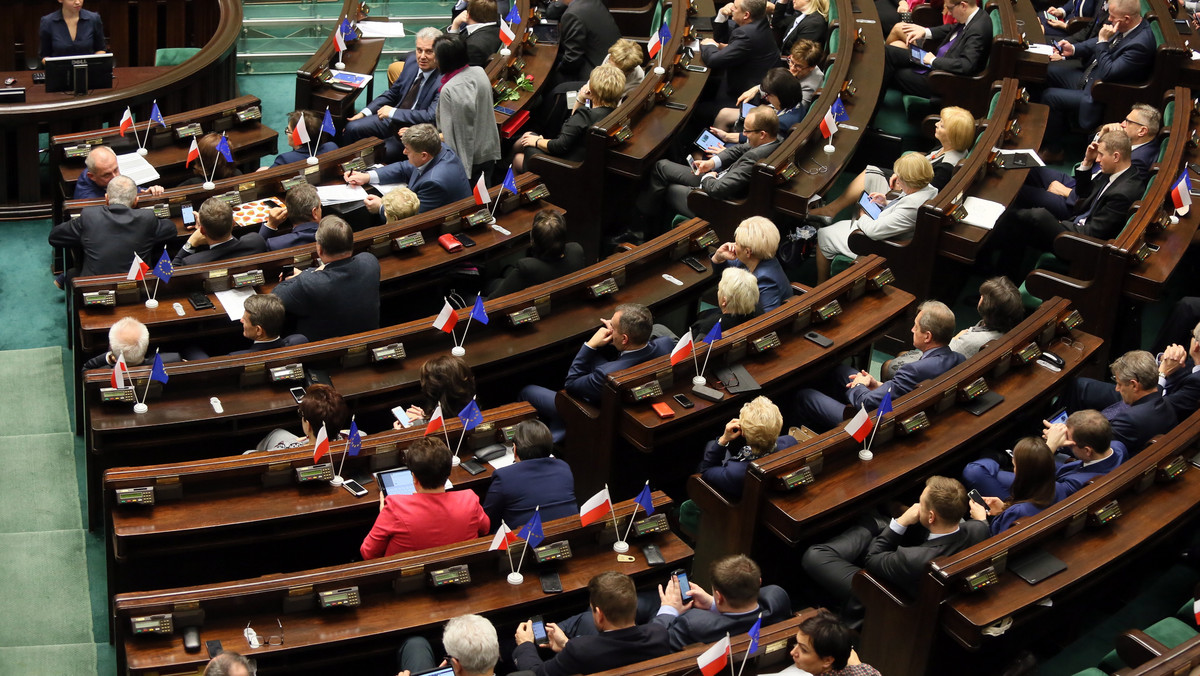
(746, 108)
(546, 34)
(437, 671)
(398, 481)
(918, 55)
(706, 141)
(872, 209)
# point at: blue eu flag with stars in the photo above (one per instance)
(159, 372)
(163, 270)
(510, 182)
(470, 416)
(532, 531)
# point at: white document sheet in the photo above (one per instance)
(381, 29)
(136, 167)
(233, 301)
(340, 194)
(982, 213)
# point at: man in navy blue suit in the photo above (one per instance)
(534, 480)
(742, 54)
(412, 99)
(932, 330)
(1179, 376)
(432, 170)
(1122, 51)
(1135, 407)
(737, 601)
(302, 206)
(1088, 437)
(628, 331)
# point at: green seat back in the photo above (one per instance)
(1169, 113)
(833, 12)
(834, 40)
(992, 105)
(1169, 632)
(995, 16)
(173, 56)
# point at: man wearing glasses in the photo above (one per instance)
(1132, 403)
(963, 49)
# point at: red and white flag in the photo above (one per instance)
(1196, 609)
(683, 349)
(481, 192)
(860, 425)
(339, 40)
(137, 269)
(193, 153)
(300, 132)
(655, 44)
(713, 660)
(506, 33)
(435, 421)
(126, 121)
(829, 124)
(596, 508)
(322, 446)
(504, 537)
(120, 370)
(447, 319)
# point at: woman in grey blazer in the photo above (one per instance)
(464, 111)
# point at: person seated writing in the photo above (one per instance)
(446, 381)
(897, 216)
(71, 31)
(550, 256)
(430, 517)
(1032, 488)
(604, 89)
(433, 171)
(754, 245)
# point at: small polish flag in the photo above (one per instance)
(435, 421)
(1196, 610)
(506, 33)
(126, 121)
(860, 425)
(339, 40)
(655, 44)
(683, 349)
(137, 269)
(447, 319)
(596, 507)
(504, 537)
(481, 191)
(120, 370)
(829, 124)
(322, 446)
(193, 152)
(713, 660)
(1181, 193)
(299, 132)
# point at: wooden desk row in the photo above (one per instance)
(1148, 499)
(361, 56)
(797, 492)
(396, 597)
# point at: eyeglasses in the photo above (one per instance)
(257, 641)
(1133, 122)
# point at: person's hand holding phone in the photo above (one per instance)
(704, 166)
(700, 598)
(524, 632)
(1055, 435)
(671, 597)
(977, 511)
(994, 505)
(558, 637)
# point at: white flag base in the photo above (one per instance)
(1178, 212)
(620, 546)
(143, 152)
(659, 70)
(209, 185)
(458, 351)
(699, 380)
(455, 461)
(515, 578)
(151, 303)
(340, 65)
(311, 160)
(336, 481)
(506, 52)
(865, 455)
(140, 408)
(829, 148)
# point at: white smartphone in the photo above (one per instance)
(402, 416)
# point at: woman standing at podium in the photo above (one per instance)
(71, 31)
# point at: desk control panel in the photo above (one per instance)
(339, 598)
(454, 575)
(162, 625)
(555, 551)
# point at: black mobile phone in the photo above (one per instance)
(472, 467)
(354, 487)
(1053, 359)
(654, 555)
(684, 401)
(818, 339)
(466, 241)
(551, 583)
(674, 105)
(977, 498)
(200, 301)
(287, 271)
(684, 587)
(504, 110)
(540, 638)
(214, 648)
(297, 394)
(694, 263)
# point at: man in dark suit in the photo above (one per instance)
(931, 331)
(302, 206)
(725, 176)
(127, 336)
(1100, 212)
(737, 602)
(1179, 376)
(100, 167)
(585, 32)
(412, 99)
(613, 601)
(1121, 51)
(963, 48)
(213, 238)
(1134, 406)
(629, 332)
(742, 55)
(339, 297)
(883, 550)
(1086, 434)
(109, 236)
(479, 25)
(433, 171)
(262, 324)
(534, 481)
(1055, 190)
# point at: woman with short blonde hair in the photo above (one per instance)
(737, 302)
(753, 434)
(754, 245)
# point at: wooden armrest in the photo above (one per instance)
(1136, 647)
(1074, 247)
(1078, 23)
(571, 408)
(707, 498)
(552, 163)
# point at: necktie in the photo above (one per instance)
(1087, 73)
(410, 97)
(953, 36)
(1081, 220)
